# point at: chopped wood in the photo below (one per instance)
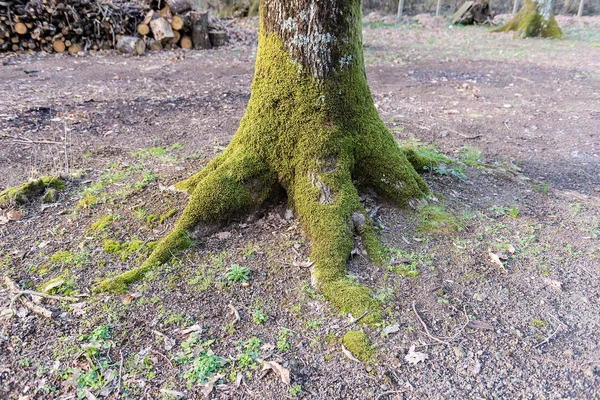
(177, 22)
(180, 6)
(200, 38)
(131, 45)
(143, 29)
(155, 45)
(161, 28)
(186, 43)
(176, 37)
(218, 38)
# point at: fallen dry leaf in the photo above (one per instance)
(193, 328)
(303, 264)
(53, 285)
(554, 285)
(223, 235)
(349, 355)
(391, 329)
(482, 325)
(284, 373)
(172, 392)
(3, 220)
(210, 385)
(496, 260)
(415, 357)
(13, 215)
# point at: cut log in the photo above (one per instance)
(131, 45)
(20, 28)
(59, 46)
(75, 48)
(186, 43)
(155, 45)
(180, 6)
(150, 15)
(165, 12)
(200, 38)
(177, 22)
(218, 38)
(161, 29)
(143, 29)
(176, 37)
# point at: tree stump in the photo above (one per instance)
(200, 37)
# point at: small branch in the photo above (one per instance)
(548, 339)
(163, 356)
(17, 293)
(435, 338)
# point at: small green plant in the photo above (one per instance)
(538, 323)
(259, 317)
(249, 352)
(201, 359)
(543, 188)
(295, 390)
(237, 273)
(282, 339)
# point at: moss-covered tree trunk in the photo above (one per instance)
(535, 18)
(311, 128)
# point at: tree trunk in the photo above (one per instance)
(536, 18)
(515, 6)
(400, 9)
(580, 10)
(311, 128)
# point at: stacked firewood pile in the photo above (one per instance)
(177, 24)
(76, 26)
(64, 25)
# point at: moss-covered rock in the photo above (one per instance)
(358, 343)
(28, 191)
(535, 18)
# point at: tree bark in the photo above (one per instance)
(580, 10)
(311, 128)
(536, 18)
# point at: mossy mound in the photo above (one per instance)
(27, 191)
(358, 343)
(530, 21)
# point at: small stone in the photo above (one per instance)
(479, 297)
(568, 353)
(459, 352)
(589, 372)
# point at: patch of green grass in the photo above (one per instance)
(237, 273)
(543, 188)
(437, 219)
(408, 262)
(470, 155)
(500, 211)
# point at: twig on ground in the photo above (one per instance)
(120, 373)
(355, 320)
(435, 338)
(543, 342)
(17, 293)
(163, 356)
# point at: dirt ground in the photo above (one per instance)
(495, 282)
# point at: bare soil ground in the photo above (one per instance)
(520, 120)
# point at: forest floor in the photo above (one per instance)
(510, 243)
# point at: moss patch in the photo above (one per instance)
(124, 250)
(358, 343)
(530, 22)
(102, 224)
(27, 191)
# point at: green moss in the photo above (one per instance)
(66, 287)
(111, 246)
(437, 219)
(88, 201)
(51, 196)
(529, 22)
(102, 224)
(27, 191)
(124, 250)
(65, 257)
(358, 343)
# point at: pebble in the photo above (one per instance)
(459, 352)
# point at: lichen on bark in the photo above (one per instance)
(311, 128)
(535, 18)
